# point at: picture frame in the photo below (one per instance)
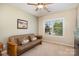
(22, 24)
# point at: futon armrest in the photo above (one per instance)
(12, 48)
(11, 43)
(39, 36)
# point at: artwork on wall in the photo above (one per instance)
(54, 27)
(22, 24)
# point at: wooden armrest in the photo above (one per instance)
(12, 48)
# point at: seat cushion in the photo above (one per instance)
(27, 46)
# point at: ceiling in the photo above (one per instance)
(54, 7)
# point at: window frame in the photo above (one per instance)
(51, 20)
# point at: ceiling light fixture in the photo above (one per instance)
(39, 6)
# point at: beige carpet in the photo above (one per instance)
(48, 49)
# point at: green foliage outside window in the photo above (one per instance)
(58, 28)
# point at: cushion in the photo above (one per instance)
(21, 41)
(34, 38)
(25, 42)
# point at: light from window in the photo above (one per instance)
(54, 27)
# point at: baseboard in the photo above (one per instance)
(59, 43)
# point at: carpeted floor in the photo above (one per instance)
(48, 49)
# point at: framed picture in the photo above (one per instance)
(22, 24)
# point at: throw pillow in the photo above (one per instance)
(34, 38)
(25, 42)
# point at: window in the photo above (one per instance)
(54, 27)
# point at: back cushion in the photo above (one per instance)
(21, 39)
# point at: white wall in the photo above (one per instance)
(8, 22)
(78, 17)
(69, 27)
